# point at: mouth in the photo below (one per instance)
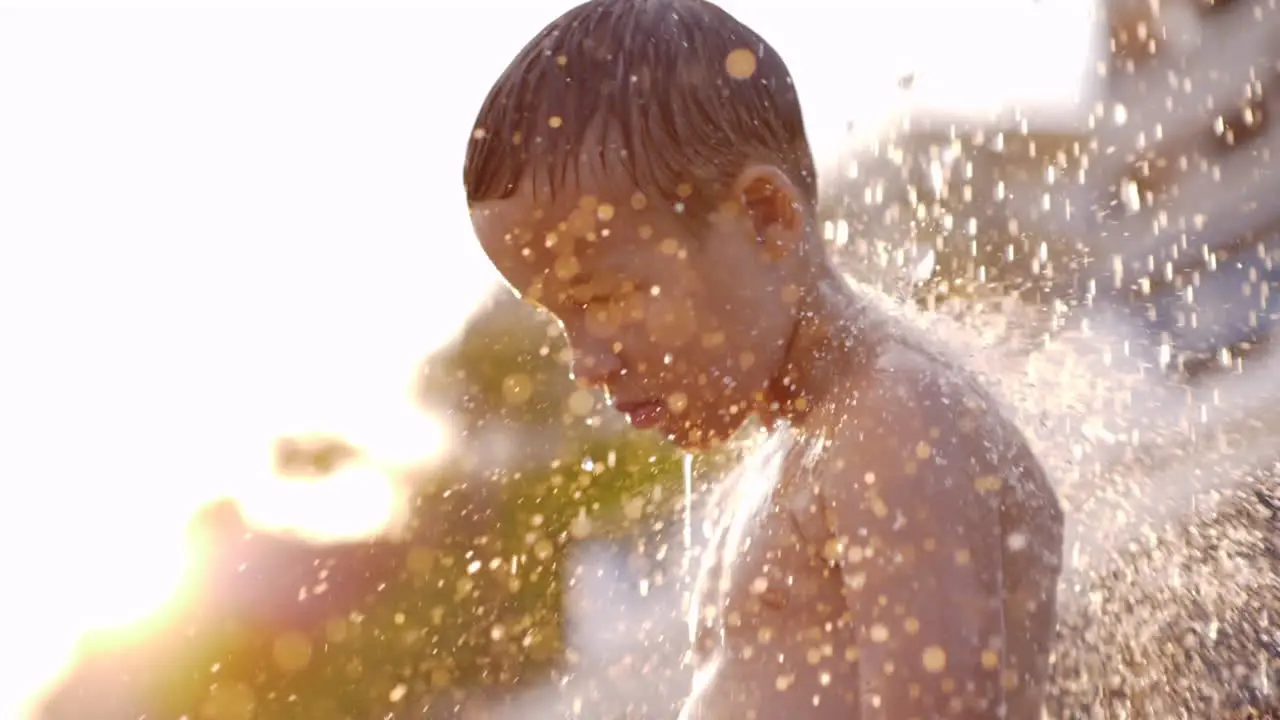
(643, 414)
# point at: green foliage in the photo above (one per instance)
(507, 368)
(471, 609)
(471, 597)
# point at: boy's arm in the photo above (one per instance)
(914, 508)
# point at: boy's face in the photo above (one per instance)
(680, 323)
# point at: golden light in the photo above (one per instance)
(352, 504)
(130, 579)
(304, 277)
(98, 560)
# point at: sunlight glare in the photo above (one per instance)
(352, 504)
(307, 204)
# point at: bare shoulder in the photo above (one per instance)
(935, 436)
(910, 393)
(908, 372)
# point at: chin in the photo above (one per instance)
(701, 438)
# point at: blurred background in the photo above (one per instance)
(278, 446)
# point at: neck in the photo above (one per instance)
(832, 340)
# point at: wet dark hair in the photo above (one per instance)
(675, 92)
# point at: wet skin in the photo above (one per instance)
(905, 565)
(902, 559)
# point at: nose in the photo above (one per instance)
(593, 362)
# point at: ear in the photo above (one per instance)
(773, 204)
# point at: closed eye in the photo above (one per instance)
(586, 295)
(582, 297)
(604, 298)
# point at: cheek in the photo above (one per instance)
(604, 321)
(619, 319)
(665, 323)
(671, 322)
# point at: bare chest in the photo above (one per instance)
(772, 635)
(767, 584)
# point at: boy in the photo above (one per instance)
(641, 171)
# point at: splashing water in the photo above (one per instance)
(1140, 459)
(690, 553)
(687, 461)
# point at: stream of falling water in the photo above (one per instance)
(690, 561)
(688, 502)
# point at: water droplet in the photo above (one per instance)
(543, 549)
(581, 403)
(677, 402)
(988, 483)
(292, 652)
(517, 388)
(566, 267)
(581, 526)
(398, 692)
(935, 659)
(740, 63)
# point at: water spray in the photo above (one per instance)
(688, 503)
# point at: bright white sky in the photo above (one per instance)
(224, 224)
